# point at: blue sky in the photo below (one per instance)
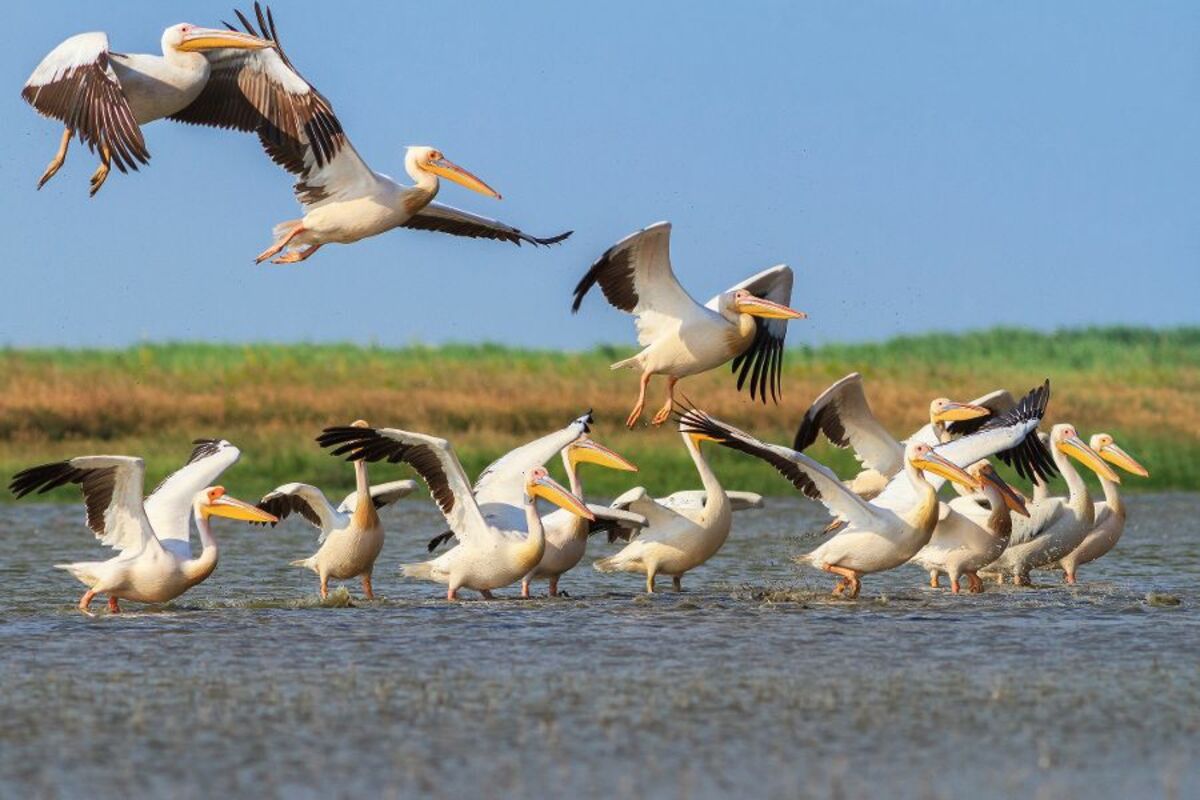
(920, 165)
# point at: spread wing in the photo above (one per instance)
(432, 458)
(382, 494)
(998, 402)
(635, 276)
(300, 498)
(169, 506)
(76, 84)
(500, 489)
(112, 492)
(843, 414)
(762, 362)
(696, 498)
(447, 219)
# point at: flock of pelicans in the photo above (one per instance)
(886, 516)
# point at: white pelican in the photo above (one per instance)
(683, 530)
(1056, 525)
(679, 337)
(351, 534)
(103, 97)
(144, 571)
(498, 491)
(488, 555)
(891, 529)
(963, 545)
(343, 199)
(1109, 513)
(844, 415)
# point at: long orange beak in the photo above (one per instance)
(198, 40)
(447, 169)
(957, 412)
(592, 452)
(1115, 455)
(1012, 498)
(767, 309)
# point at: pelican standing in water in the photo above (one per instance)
(351, 534)
(684, 530)
(144, 571)
(488, 555)
(679, 337)
(1109, 513)
(963, 545)
(104, 97)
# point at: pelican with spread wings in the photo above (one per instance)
(679, 337)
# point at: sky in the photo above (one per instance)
(921, 166)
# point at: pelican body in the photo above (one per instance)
(679, 337)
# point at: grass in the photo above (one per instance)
(1139, 384)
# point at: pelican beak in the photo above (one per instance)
(550, 489)
(1115, 455)
(231, 507)
(1012, 498)
(947, 469)
(452, 172)
(1076, 449)
(197, 40)
(957, 412)
(760, 307)
(589, 451)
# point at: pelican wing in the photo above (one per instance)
(843, 414)
(814, 479)
(76, 84)
(432, 458)
(619, 524)
(696, 498)
(447, 219)
(635, 276)
(382, 494)
(500, 488)
(112, 491)
(762, 362)
(298, 498)
(169, 506)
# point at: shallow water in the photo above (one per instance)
(752, 682)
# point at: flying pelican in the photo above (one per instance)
(144, 571)
(960, 545)
(891, 529)
(1056, 525)
(103, 97)
(844, 415)
(343, 199)
(488, 555)
(679, 337)
(1109, 513)
(683, 530)
(351, 534)
(498, 491)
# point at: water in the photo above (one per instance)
(752, 682)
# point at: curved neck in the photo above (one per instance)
(424, 180)
(365, 514)
(572, 474)
(939, 429)
(1078, 498)
(198, 568)
(1000, 520)
(192, 62)
(1113, 497)
(708, 478)
(533, 522)
(924, 513)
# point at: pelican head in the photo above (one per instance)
(188, 38)
(1066, 440)
(926, 459)
(1106, 447)
(538, 483)
(586, 450)
(983, 472)
(944, 409)
(743, 301)
(419, 159)
(214, 502)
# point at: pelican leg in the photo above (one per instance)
(101, 173)
(554, 586)
(486, 594)
(324, 586)
(999, 578)
(59, 158)
(632, 419)
(665, 411)
(850, 581)
(86, 601)
(975, 585)
(296, 256)
(954, 584)
(367, 590)
(451, 593)
(933, 579)
(282, 243)
(650, 581)
(1021, 580)
(677, 582)
(1069, 575)
(113, 606)
(525, 588)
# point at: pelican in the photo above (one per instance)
(844, 415)
(343, 199)
(684, 530)
(144, 571)
(891, 529)
(488, 555)
(1109, 513)
(104, 97)
(960, 544)
(351, 534)
(679, 337)
(1056, 525)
